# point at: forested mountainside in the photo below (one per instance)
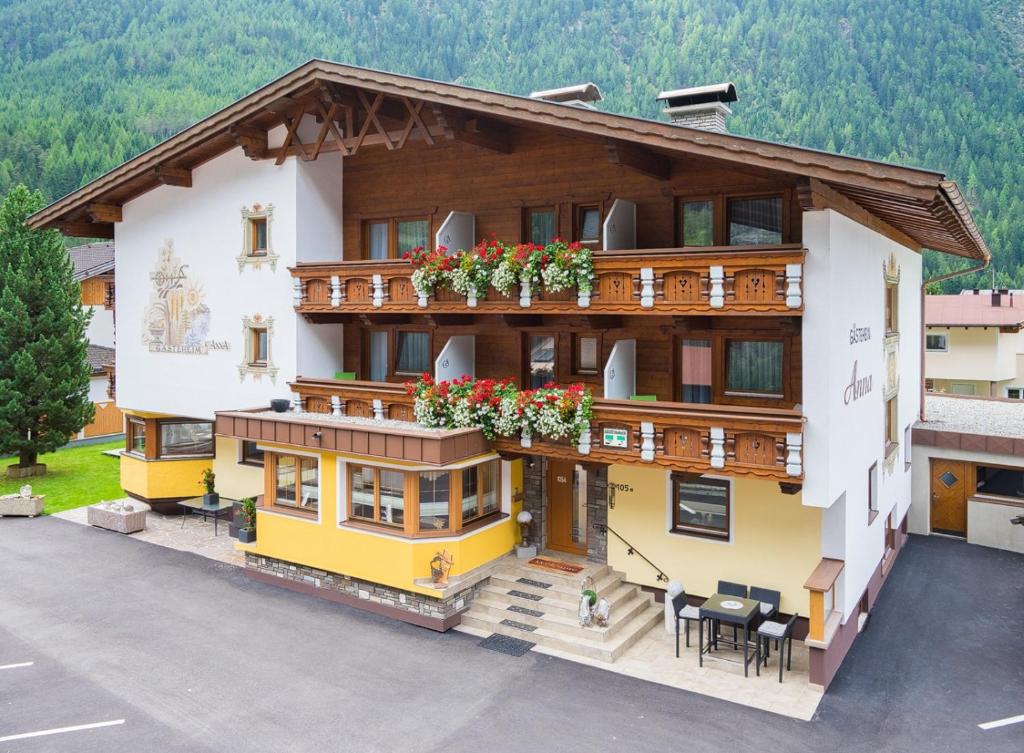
(932, 83)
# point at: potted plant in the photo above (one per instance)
(210, 498)
(247, 529)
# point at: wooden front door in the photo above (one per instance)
(949, 497)
(567, 508)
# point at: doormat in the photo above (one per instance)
(507, 645)
(557, 565)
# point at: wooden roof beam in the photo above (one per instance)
(85, 229)
(173, 176)
(104, 213)
(479, 132)
(643, 161)
(252, 140)
(815, 195)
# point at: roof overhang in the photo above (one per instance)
(919, 203)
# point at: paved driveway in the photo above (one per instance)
(195, 657)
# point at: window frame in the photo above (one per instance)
(690, 529)
(577, 360)
(161, 445)
(135, 427)
(783, 208)
(945, 342)
(246, 456)
(715, 200)
(255, 223)
(392, 223)
(478, 471)
(892, 309)
(393, 335)
(527, 373)
(527, 221)
(891, 429)
(255, 333)
(577, 224)
(376, 520)
(872, 492)
(719, 208)
(722, 390)
(271, 461)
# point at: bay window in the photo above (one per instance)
(423, 503)
(136, 436)
(182, 438)
(296, 483)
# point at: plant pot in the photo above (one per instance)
(25, 471)
(211, 499)
(245, 536)
(280, 404)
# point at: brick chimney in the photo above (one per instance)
(702, 107)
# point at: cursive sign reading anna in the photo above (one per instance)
(857, 388)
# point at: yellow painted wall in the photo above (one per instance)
(162, 479)
(775, 543)
(388, 560)
(234, 480)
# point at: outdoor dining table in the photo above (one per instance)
(732, 610)
(197, 504)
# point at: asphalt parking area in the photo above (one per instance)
(196, 657)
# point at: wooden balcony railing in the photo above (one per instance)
(737, 441)
(727, 279)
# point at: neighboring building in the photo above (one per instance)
(974, 344)
(93, 266)
(767, 297)
(969, 470)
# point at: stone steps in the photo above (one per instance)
(542, 606)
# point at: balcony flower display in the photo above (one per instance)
(432, 269)
(475, 268)
(567, 265)
(501, 409)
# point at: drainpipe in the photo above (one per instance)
(941, 278)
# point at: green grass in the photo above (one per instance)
(75, 476)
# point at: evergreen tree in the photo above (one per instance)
(44, 374)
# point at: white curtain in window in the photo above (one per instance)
(378, 240)
(754, 366)
(378, 356)
(413, 355)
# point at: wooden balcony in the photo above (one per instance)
(735, 441)
(721, 280)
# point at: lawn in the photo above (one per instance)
(75, 476)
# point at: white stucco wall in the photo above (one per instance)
(844, 288)
(204, 223)
(974, 354)
(101, 327)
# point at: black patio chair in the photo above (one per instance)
(731, 589)
(683, 612)
(769, 599)
(781, 633)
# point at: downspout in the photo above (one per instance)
(941, 278)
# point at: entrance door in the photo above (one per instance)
(949, 497)
(567, 507)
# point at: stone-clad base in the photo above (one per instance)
(418, 609)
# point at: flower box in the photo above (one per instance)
(15, 504)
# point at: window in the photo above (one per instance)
(892, 308)
(754, 367)
(412, 352)
(541, 359)
(377, 495)
(179, 438)
(378, 355)
(872, 492)
(963, 388)
(296, 482)
(251, 454)
(479, 491)
(377, 240)
(434, 493)
(391, 238)
(929, 385)
(937, 343)
(258, 228)
(697, 223)
(1015, 393)
(1003, 482)
(700, 506)
(754, 221)
(540, 225)
(890, 533)
(907, 433)
(259, 345)
(587, 354)
(588, 225)
(136, 436)
(695, 371)
(891, 430)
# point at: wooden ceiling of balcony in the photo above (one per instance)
(358, 108)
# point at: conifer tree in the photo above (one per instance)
(44, 374)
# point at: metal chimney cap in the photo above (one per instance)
(699, 95)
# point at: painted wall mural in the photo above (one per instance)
(177, 319)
